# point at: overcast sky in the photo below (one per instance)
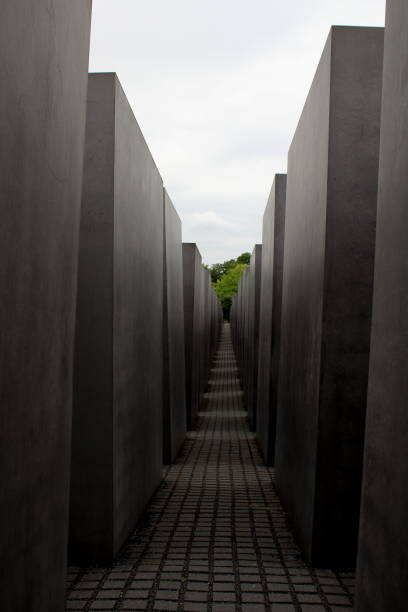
(217, 88)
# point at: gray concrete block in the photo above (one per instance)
(273, 238)
(44, 49)
(192, 287)
(203, 302)
(174, 378)
(327, 294)
(245, 334)
(254, 294)
(207, 326)
(117, 410)
(382, 576)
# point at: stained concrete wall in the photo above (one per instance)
(202, 326)
(273, 238)
(237, 322)
(245, 335)
(244, 318)
(216, 319)
(327, 293)
(192, 287)
(254, 295)
(117, 412)
(208, 315)
(44, 48)
(382, 576)
(174, 387)
(204, 336)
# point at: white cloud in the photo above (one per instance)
(218, 88)
(210, 220)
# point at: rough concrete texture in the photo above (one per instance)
(192, 287)
(207, 325)
(204, 296)
(382, 576)
(254, 294)
(44, 48)
(174, 388)
(117, 411)
(245, 334)
(239, 320)
(244, 317)
(327, 295)
(273, 238)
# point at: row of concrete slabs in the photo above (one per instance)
(92, 359)
(332, 343)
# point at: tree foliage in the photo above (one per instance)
(219, 270)
(225, 277)
(227, 286)
(245, 258)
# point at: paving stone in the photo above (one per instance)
(196, 596)
(165, 605)
(224, 596)
(79, 594)
(195, 607)
(280, 597)
(103, 605)
(109, 594)
(224, 607)
(137, 605)
(136, 594)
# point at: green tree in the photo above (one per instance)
(227, 286)
(245, 258)
(219, 270)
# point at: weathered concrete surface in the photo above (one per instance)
(245, 334)
(192, 287)
(117, 415)
(216, 323)
(174, 373)
(327, 294)
(204, 354)
(273, 238)
(254, 295)
(382, 577)
(207, 326)
(44, 48)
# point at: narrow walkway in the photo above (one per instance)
(215, 537)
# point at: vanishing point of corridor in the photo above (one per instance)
(214, 537)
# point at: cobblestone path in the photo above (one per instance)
(214, 537)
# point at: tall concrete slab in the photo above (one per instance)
(273, 239)
(245, 334)
(192, 288)
(44, 49)
(208, 325)
(254, 295)
(382, 576)
(204, 337)
(117, 409)
(174, 377)
(248, 357)
(327, 295)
